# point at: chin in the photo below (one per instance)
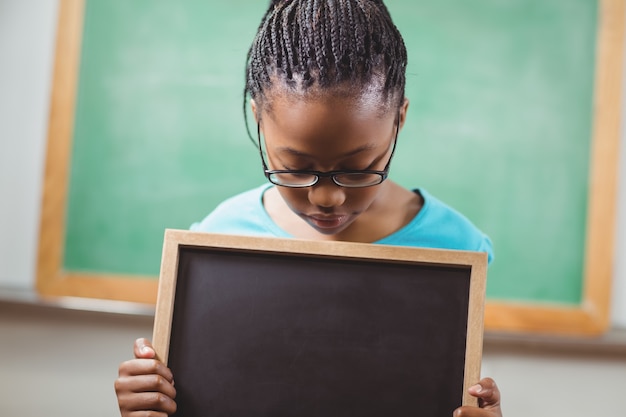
(329, 228)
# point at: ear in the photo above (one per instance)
(254, 109)
(403, 111)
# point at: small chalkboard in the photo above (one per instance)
(284, 327)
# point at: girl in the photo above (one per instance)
(326, 80)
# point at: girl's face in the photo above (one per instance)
(329, 133)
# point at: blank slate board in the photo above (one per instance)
(274, 327)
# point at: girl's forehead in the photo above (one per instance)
(359, 106)
(327, 127)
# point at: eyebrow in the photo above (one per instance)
(353, 152)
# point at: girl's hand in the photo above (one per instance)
(145, 386)
(488, 396)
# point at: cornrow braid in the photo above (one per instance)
(306, 44)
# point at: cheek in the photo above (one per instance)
(362, 197)
(294, 197)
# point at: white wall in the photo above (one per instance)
(27, 32)
(63, 363)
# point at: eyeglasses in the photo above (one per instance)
(344, 178)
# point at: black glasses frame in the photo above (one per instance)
(329, 174)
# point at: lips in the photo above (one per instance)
(325, 222)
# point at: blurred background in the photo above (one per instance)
(60, 358)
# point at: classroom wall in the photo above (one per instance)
(62, 362)
(27, 32)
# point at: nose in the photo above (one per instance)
(326, 194)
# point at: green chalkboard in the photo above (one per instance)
(500, 126)
(159, 135)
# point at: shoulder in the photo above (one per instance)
(437, 225)
(241, 214)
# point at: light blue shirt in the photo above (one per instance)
(435, 226)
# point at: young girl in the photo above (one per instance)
(326, 80)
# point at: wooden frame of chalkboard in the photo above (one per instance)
(590, 317)
(266, 326)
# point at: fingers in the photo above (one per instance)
(488, 396)
(145, 367)
(146, 404)
(487, 393)
(145, 386)
(145, 392)
(466, 411)
(143, 349)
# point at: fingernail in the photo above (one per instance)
(145, 349)
(477, 388)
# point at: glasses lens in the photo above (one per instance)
(289, 179)
(357, 179)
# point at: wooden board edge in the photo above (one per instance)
(58, 152)
(604, 163)
(338, 249)
(166, 297)
(475, 329)
(129, 288)
(175, 240)
(507, 317)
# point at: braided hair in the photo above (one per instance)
(304, 45)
